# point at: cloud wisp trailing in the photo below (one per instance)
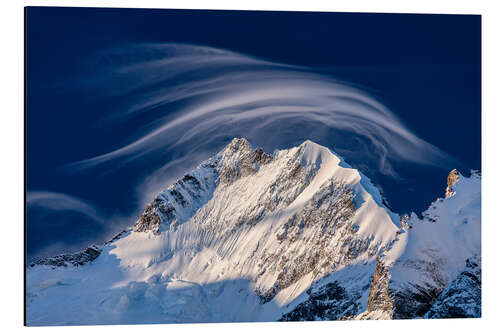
(61, 223)
(185, 102)
(50, 202)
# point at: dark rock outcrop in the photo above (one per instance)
(117, 237)
(453, 177)
(75, 259)
(239, 160)
(330, 302)
(462, 298)
(152, 216)
(414, 302)
(380, 297)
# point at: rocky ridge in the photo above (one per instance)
(81, 258)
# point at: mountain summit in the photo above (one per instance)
(250, 236)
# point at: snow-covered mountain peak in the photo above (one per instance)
(249, 236)
(236, 149)
(281, 221)
(290, 176)
(312, 153)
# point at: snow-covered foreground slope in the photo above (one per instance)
(247, 236)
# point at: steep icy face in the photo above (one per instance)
(274, 223)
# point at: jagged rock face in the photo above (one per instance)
(451, 180)
(174, 205)
(380, 297)
(323, 224)
(75, 259)
(239, 160)
(330, 302)
(462, 298)
(150, 219)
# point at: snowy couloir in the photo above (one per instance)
(296, 235)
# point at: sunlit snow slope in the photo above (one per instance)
(248, 236)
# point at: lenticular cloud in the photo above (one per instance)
(185, 102)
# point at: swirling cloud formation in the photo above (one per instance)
(185, 102)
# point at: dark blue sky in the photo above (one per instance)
(424, 68)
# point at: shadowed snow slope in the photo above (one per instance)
(248, 236)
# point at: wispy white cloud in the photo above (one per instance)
(201, 97)
(59, 202)
(52, 214)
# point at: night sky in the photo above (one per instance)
(426, 69)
